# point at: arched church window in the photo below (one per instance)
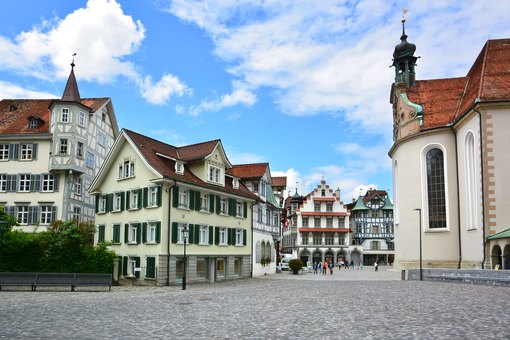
(436, 189)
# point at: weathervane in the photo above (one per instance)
(404, 11)
(72, 62)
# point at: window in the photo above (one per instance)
(77, 187)
(235, 183)
(100, 233)
(116, 233)
(317, 238)
(375, 229)
(223, 205)
(64, 115)
(204, 234)
(239, 237)
(47, 214)
(262, 188)
(131, 265)
(239, 209)
(118, 199)
(82, 119)
(220, 267)
(184, 198)
(329, 206)
(317, 207)
(304, 238)
(152, 232)
(470, 175)
(63, 146)
(375, 245)
(222, 236)
(215, 174)
(102, 139)
(24, 183)
(127, 169)
(317, 222)
(76, 214)
(305, 221)
(268, 216)
(154, 196)
(436, 194)
(3, 182)
(22, 214)
(341, 222)
(102, 204)
(26, 151)
(32, 124)
(329, 222)
(133, 233)
(4, 152)
(329, 238)
(134, 199)
(204, 202)
(179, 168)
(90, 160)
(79, 150)
(202, 268)
(180, 228)
(237, 266)
(341, 239)
(259, 214)
(150, 267)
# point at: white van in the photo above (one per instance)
(284, 264)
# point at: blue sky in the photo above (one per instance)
(303, 85)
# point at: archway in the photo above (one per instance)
(341, 256)
(496, 257)
(329, 256)
(317, 256)
(355, 257)
(506, 257)
(305, 257)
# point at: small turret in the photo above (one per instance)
(71, 92)
(404, 60)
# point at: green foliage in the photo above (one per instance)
(265, 261)
(295, 265)
(65, 247)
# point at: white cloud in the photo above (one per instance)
(159, 93)
(103, 37)
(12, 91)
(239, 96)
(244, 157)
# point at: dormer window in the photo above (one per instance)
(179, 168)
(235, 183)
(215, 175)
(12, 108)
(32, 124)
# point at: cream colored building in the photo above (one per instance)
(50, 151)
(450, 162)
(148, 192)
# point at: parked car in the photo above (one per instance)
(284, 264)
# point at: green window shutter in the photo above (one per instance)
(145, 194)
(244, 237)
(174, 232)
(245, 209)
(191, 229)
(158, 232)
(119, 270)
(97, 203)
(216, 235)
(229, 236)
(144, 232)
(100, 236)
(138, 233)
(218, 204)
(192, 199)
(175, 197)
(233, 237)
(231, 207)
(116, 233)
(126, 233)
(140, 199)
(197, 201)
(160, 195)
(127, 194)
(197, 234)
(211, 234)
(150, 267)
(122, 200)
(34, 151)
(137, 265)
(124, 265)
(109, 201)
(211, 203)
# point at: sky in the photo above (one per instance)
(302, 85)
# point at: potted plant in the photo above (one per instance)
(295, 265)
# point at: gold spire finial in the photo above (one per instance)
(404, 11)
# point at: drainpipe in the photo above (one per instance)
(483, 189)
(458, 197)
(251, 246)
(169, 233)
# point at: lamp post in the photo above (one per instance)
(421, 266)
(185, 234)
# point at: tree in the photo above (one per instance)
(6, 223)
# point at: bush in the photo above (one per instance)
(295, 265)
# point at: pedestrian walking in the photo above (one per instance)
(331, 267)
(376, 265)
(324, 267)
(352, 264)
(315, 267)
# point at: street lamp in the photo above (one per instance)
(185, 234)
(421, 266)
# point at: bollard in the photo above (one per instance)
(403, 274)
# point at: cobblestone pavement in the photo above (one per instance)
(345, 305)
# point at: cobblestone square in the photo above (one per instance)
(348, 304)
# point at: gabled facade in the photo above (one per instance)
(50, 151)
(450, 163)
(266, 215)
(319, 228)
(147, 192)
(371, 219)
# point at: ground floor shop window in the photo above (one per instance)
(220, 267)
(202, 268)
(237, 266)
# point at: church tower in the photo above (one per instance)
(404, 60)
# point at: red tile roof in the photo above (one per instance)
(446, 100)
(150, 148)
(246, 171)
(279, 181)
(15, 114)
